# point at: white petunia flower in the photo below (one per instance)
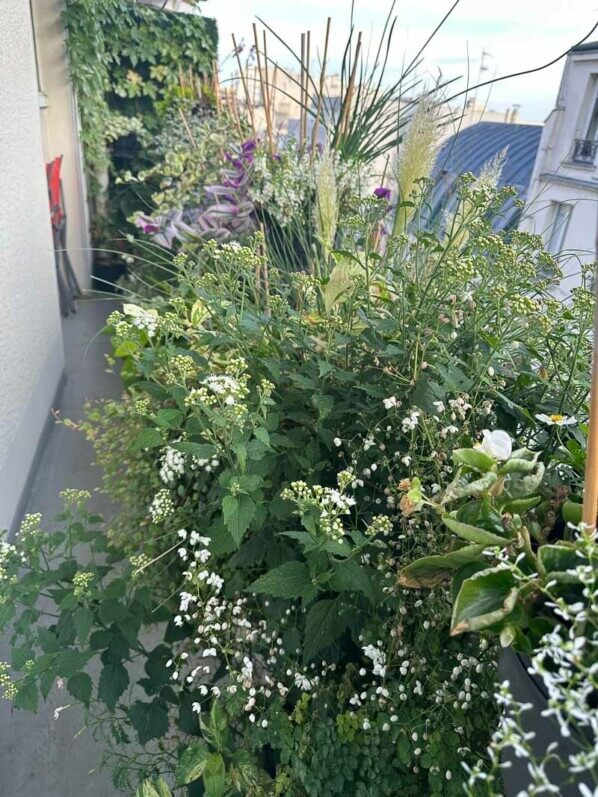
(497, 444)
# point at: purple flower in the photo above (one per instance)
(249, 146)
(382, 193)
(147, 225)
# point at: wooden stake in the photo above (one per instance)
(314, 136)
(262, 86)
(307, 79)
(269, 124)
(187, 128)
(302, 110)
(350, 89)
(245, 89)
(590, 494)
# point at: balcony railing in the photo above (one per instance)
(584, 151)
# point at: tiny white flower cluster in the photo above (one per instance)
(141, 318)
(162, 506)
(331, 503)
(378, 658)
(172, 465)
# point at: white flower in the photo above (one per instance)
(196, 707)
(389, 403)
(556, 419)
(497, 444)
(58, 711)
(337, 442)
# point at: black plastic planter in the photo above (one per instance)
(530, 689)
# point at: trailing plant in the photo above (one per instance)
(126, 63)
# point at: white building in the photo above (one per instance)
(563, 197)
(38, 122)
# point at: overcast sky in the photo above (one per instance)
(519, 35)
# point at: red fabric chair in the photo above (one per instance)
(68, 286)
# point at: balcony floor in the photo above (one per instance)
(43, 757)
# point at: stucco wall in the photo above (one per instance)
(556, 178)
(60, 129)
(31, 357)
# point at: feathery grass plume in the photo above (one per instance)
(326, 205)
(488, 181)
(416, 156)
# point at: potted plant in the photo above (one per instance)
(522, 571)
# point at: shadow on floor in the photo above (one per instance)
(40, 756)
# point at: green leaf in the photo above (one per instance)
(289, 580)
(484, 599)
(558, 558)
(80, 687)
(153, 788)
(150, 720)
(169, 418)
(350, 576)
(238, 512)
(473, 533)
(192, 763)
(262, 434)
(83, 620)
(199, 450)
(432, 570)
(473, 458)
(147, 438)
(249, 483)
(324, 625)
(114, 679)
(27, 695)
(214, 776)
(112, 611)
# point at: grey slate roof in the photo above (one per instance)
(471, 149)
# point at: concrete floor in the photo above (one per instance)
(41, 757)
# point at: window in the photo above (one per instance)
(560, 221)
(592, 133)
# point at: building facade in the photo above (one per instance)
(562, 202)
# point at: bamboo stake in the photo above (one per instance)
(307, 79)
(273, 97)
(245, 89)
(262, 86)
(350, 89)
(314, 136)
(302, 100)
(216, 85)
(590, 495)
(187, 128)
(269, 124)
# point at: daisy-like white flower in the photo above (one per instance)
(556, 419)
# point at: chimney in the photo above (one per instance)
(515, 114)
(508, 115)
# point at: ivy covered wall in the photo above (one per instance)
(127, 65)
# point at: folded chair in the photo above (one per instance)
(68, 286)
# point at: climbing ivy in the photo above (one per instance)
(127, 62)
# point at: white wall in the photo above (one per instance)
(60, 129)
(556, 178)
(31, 356)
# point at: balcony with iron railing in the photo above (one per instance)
(584, 151)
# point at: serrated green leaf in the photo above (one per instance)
(350, 576)
(83, 620)
(114, 679)
(27, 695)
(262, 434)
(238, 512)
(80, 687)
(324, 624)
(199, 450)
(289, 580)
(169, 418)
(150, 720)
(147, 438)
